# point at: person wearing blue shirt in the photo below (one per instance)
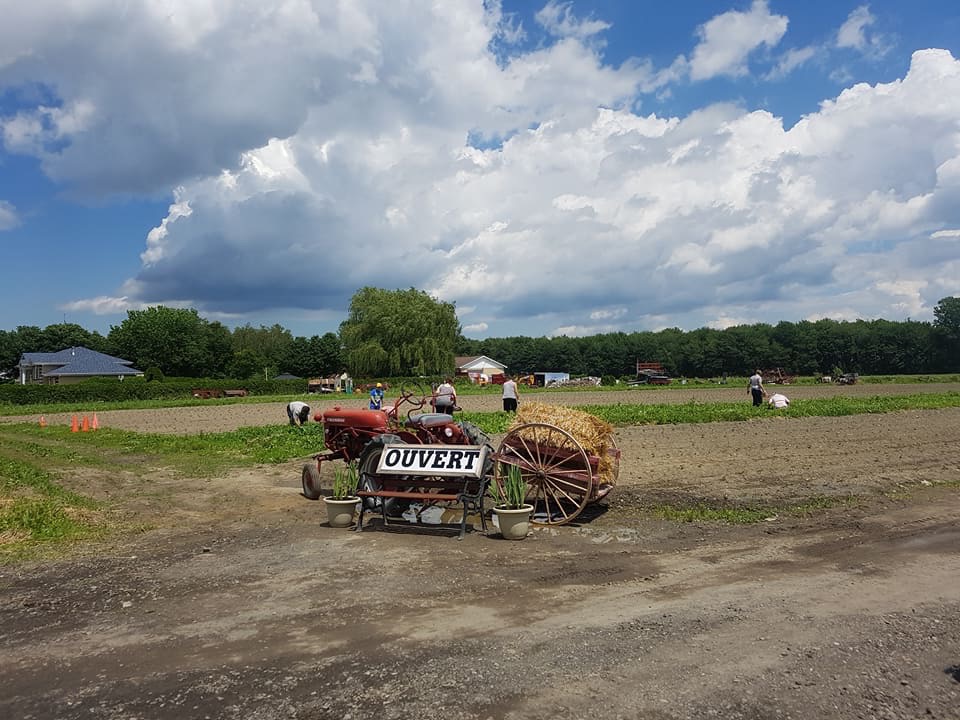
(376, 397)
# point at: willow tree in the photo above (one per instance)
(399, 333)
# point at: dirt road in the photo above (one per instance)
(242, 604)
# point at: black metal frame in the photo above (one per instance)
(392, 486)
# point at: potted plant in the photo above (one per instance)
(511, 508)
(342, 504)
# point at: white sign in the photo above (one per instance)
(446, 460)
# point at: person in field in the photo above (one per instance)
(756, 389)
(376, 397)
(778, 401)
(510, 395)
(298, 412)
(446, 397)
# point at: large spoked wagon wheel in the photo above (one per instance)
(555, 467)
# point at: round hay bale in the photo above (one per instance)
(593, 434)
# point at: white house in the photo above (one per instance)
(479, 368)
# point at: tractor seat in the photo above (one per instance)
(429, 420)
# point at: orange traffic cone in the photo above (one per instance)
(95, 424)
(73, 425)
(86, 424)
(43, 421)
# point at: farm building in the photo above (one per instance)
(71, 366)
(479, 368)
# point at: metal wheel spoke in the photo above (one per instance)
(557, 493)
(527, 452)
(556, 462)
(558, 504)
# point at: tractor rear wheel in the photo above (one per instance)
(369, 460)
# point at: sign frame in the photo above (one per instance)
(436, 460)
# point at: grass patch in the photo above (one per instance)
(203, 455)
(703, 512)
(17, 476)
(49, 451)
(698, 412)
(35, 510)
(88, 407)
(39, 519)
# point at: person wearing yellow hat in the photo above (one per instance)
(376, 397)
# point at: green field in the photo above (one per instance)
(37, 511)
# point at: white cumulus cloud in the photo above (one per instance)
(727, 40)
(317, 148)
(8, 216)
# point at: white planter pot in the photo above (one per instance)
(340, 512)
(514, 522)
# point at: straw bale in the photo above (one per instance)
(593, 434)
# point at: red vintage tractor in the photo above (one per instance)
(561, 476)
(359, 435)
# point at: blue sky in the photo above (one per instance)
(550, 167)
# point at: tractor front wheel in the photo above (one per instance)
(310, 479)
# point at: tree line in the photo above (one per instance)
(402, 333)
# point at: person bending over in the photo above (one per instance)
(298, 412)
(778, 401)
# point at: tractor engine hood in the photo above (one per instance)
(340, 417)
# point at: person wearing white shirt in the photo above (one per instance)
(510, 394)
(778, 401)
(756, 389)
(446, 397)
(298, 412)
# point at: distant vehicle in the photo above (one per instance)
(322, 385)
(651, 378)
(778, 377)
(650, 373)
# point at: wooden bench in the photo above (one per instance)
(468, 491)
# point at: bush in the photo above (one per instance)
(153, 374)
(112, 390)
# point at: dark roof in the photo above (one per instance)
(80, 361)
(287, 376)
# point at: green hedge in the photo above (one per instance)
(111, 390)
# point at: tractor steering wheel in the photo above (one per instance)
(414, 394)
